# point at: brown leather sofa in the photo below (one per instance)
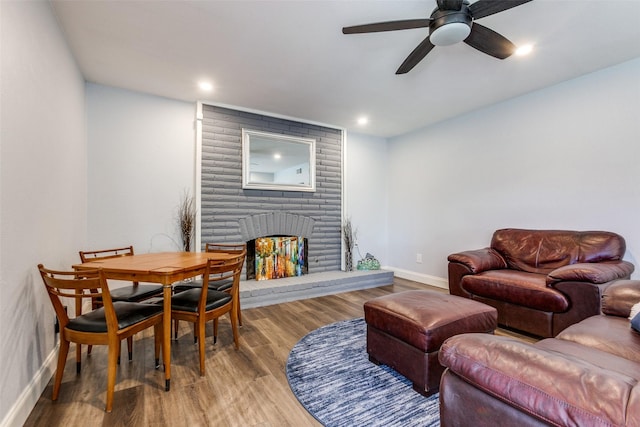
(587, 376)
(540, 281)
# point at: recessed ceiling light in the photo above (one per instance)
(277, 156)
(363, 121)
(206, 86)
(524, 50)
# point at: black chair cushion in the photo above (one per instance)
(128, 313)
(188, 300)
(220, 285)
(185, 286)
(135, 293)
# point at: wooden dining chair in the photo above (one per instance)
(218, 285)
(133, 293)
(201, 305)
(107, 325)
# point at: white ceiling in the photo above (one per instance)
(291, 58)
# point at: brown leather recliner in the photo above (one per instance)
(540, 281)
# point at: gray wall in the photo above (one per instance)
(224, 202)
(131, 204)
(564, 157)
(43, 194)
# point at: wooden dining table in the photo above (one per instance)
(165, 268)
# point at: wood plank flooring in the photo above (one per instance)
(245, 387)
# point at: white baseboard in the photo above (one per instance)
(438, 282)
(29, 397)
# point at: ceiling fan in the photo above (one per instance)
(451, 22)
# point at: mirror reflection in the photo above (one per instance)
(277, 162)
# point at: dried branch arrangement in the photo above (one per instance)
(348, 235)
(187, 220)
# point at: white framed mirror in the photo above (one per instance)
(272, 161)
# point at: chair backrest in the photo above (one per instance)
(227, 248)
(542, 251)
(86, 256)
(217, 271)
(77, 285)
(230, 248)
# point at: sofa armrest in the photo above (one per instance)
(536, 380)
(596, 272)
(471, 262)
(620, 296)
(479, 260)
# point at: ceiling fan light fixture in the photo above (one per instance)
(449, 34)
(451, 22)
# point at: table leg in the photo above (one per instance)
(166, 342)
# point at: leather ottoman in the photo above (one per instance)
(405, 331)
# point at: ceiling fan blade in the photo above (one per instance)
(483, 8)
(416, 56)
(387, 26)
(489, 42)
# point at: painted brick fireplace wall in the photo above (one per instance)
(225, 204)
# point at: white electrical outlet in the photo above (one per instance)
(419, 258)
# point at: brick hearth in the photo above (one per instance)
(255, 293)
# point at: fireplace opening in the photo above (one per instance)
(276, 257)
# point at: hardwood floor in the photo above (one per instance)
(245, 387)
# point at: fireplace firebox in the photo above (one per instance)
(275, 257)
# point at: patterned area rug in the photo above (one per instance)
(330, 374)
